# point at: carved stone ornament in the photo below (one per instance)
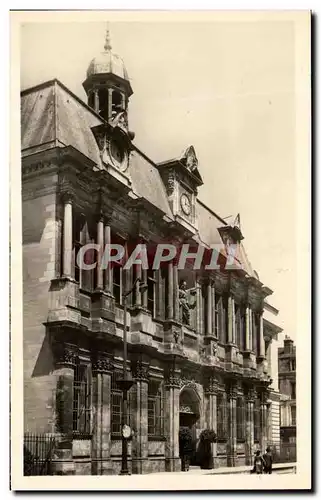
(232, 392)
(213, 348)
(140, 370)
(191, 160)
(251, 395)
(102, 365)
(64, 354)
(120, 120)
(186, 382)
(170, 182)
(172, 379)
(211, 386)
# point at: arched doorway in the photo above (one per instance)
(189, 414)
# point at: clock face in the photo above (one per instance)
(186, 204)
(118, 154)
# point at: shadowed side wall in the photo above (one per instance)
(41, 233)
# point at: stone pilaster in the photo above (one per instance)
(110, 103)
(65, 359)
(172, 390)
(140, 416)
(231, 444)
(249, 436)
(263, 420)
(101, 444)
(211, 389)
(199, 313)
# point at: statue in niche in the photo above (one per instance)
(184, 301)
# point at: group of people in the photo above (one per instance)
(262, 463)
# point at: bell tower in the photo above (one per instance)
(107, 84)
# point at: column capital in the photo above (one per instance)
(232, 391)
(211, 385)
(102, 364)
(67, 193)
(172, 377)
(65, 354)
(140, 370)
(251, 395)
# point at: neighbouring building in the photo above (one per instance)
(205, 363)
(287, 388)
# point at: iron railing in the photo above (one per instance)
(283, 452)
(37, 454)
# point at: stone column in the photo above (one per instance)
(213, 311)
(231, 444)
(263, 420)
(172, 390)
(247, 329)
(140, 416)
(170, 291)
(108, 270)
(67, 237)
(65, 359)
(230, 314)
(250, 329)
(249, 443)
(211, 411)
(261, 338)
(198, 307)
(100, 242)
(110, 103)
(209, 308)
(176, 292)
(101, 443)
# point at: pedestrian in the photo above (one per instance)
(267, 457)
(258, 463)
(185, 447)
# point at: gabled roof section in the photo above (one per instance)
(188, 162)
(53, 116)
(147, 182)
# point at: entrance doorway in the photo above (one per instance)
(189, 416)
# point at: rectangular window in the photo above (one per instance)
(293, 390)
(255, 330)
(77, 243)
(117, 405)
(221, 417)
(293, 415)
(240, 419)
(155, 409)
(151, 283)
(82, 399)
(238, 325)
(117, 283)
(292, 365)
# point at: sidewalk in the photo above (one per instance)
(286, 468)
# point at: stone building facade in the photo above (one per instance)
(287, 388)
(85, 181)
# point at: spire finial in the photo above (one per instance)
(107, 45)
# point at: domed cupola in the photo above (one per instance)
(107, 84)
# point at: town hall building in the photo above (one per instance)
(198, 341)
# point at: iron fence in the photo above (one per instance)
(283, 452)
(37, 454)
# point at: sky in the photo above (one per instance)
(228, 89)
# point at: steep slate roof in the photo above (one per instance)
(52, 116)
